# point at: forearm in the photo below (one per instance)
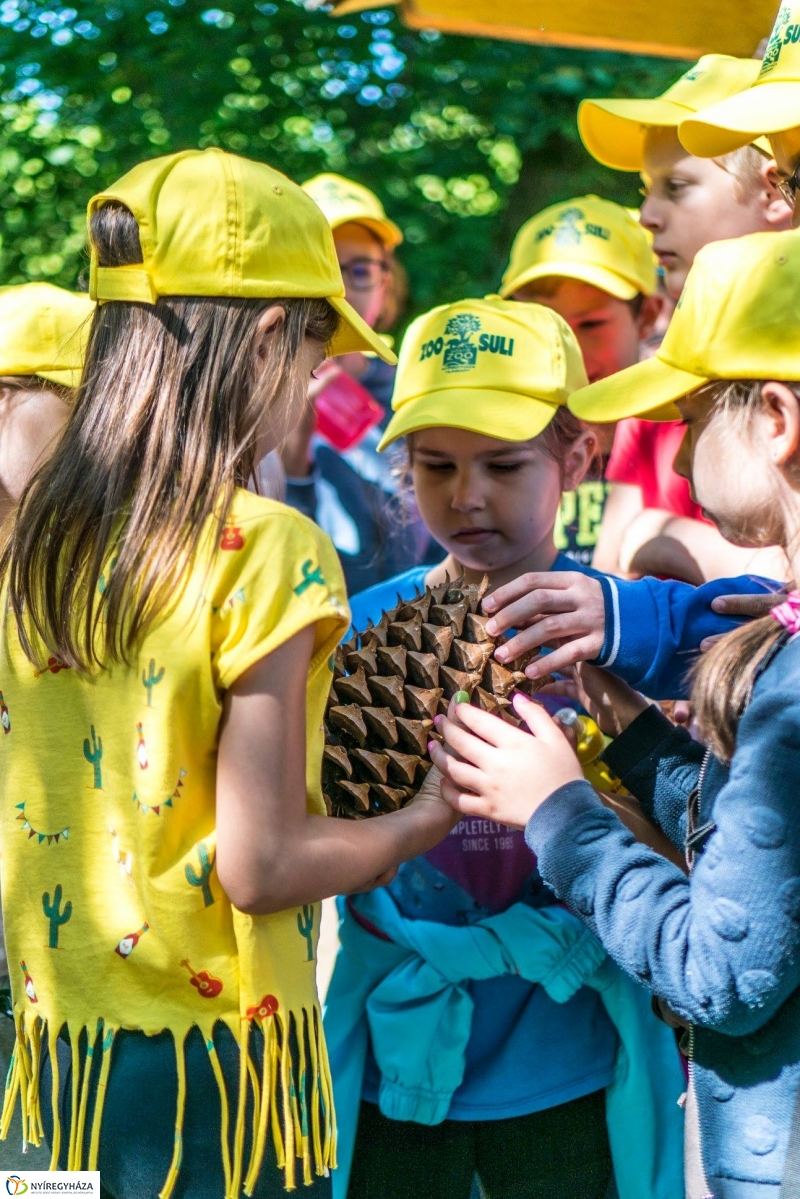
(642, 909)
(659, 763)
(325, 856)
(660, 543)
(654, 628)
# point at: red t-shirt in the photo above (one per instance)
(643, 454)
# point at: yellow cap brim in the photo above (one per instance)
(613, 131)
(389, 234)
(500, 414)
(584, 272)
(739, 120)
(67, 378)
(354, 334)
(648, 389)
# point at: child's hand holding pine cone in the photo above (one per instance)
(389, 683)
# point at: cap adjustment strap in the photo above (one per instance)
(121, 283)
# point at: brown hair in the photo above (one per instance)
(556, 440)
(164, 427)
(36, 383)
(725, 676)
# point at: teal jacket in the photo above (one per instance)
(406, 994)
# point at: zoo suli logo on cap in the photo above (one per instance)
(567, 229)
(460, 351)
(781, 36)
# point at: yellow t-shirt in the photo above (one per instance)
(114, 914)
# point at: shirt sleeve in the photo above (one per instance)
(654, 628)
(660, 764)
(722, 948)
(626, 460)
(274, 575)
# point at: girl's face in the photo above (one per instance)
(729, 459)
(490, 503)
(291, 401)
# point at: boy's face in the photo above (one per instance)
(490, 503)
(786, 148)
(691, 202)
(605, 327)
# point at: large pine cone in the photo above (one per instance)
(389, 683)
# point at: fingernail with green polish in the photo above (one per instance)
(461, 697)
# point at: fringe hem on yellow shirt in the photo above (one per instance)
(301, 1131)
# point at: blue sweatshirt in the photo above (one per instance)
(722, 947)
(654, 628)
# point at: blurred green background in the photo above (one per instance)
(462, 138)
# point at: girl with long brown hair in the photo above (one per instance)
(719, 945)
(164, 669)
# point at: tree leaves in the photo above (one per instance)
(462, 138)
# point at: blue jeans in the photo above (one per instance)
(138, 1130)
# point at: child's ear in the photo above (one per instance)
(271, 318)
(776, 211)
(650, 311)
(579, 458)
(782, 413)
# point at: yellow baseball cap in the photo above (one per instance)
(736, 319)
(215, 224)
(770, 104)
(491, 366)
(343, 200)
(44, 331)
(613, 131)
(593, 240)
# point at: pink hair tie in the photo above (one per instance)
(788, 613)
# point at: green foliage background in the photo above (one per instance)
(462, 138)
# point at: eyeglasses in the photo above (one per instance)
(364, 274)
(788, 187)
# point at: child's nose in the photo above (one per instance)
(466, 495)
(650, 214)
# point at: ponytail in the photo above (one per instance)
(724, 679)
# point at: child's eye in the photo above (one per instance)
(506, 468)
(595, 324)
(437, 467)
(674, 187)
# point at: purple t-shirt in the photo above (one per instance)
(526, 1052)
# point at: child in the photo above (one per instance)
(591, 262)
(721, 948)
(351, 494)
(688, 203)
(164, 665)
(42, 337)
(42, 330)
(769, 105)
(461, 1049)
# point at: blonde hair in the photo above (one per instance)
(745, 165)
(164, 427)
(725, 676)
